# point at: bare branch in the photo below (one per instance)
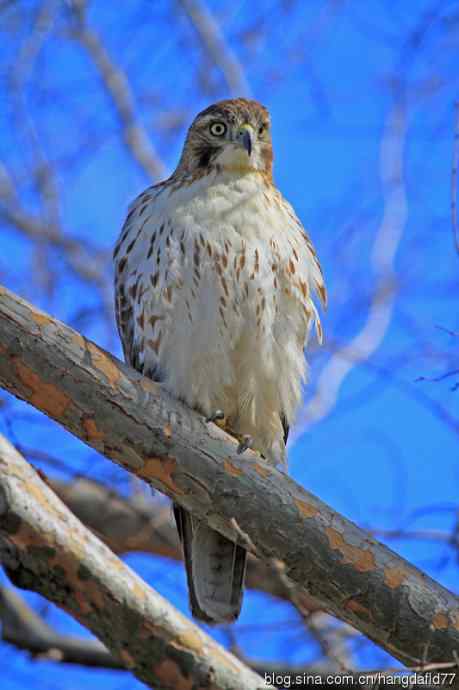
(86, 264)
(25, 630)
(133, 524)
(219, 52)
(125, 525)
(137, 424)
(41, 168)
(119, 90)
(85, 261)
(45, 548)
(385, 246)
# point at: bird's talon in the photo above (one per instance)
(244, 444)
(218, 417)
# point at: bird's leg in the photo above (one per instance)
(218, 418)
(245, 440)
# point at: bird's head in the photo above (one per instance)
(232, 135)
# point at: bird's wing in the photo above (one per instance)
(302, 273)
(142, 264)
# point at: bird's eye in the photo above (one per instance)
(261, 130)
(218, 129)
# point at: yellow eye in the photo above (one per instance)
(218, 129)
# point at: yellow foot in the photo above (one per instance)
(245, 440)
(218, 418)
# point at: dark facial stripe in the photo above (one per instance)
(205, 155)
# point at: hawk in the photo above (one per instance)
(214, 276)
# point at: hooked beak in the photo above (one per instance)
(245, 139)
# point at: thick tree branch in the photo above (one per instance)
(134, 524)
(45, 548)
(125, 525)
(137, 424)
(25, 630)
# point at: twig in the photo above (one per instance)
(141, 427)
(216, 47)
(385, 246)
(119, 90)
(86, 262)
(448, 330)
(23, 628)
(436, 379)
(428, 535)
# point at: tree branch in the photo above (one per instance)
(137, 424)
(119, 91)
(85, 260)
(125, 525)
(214, 44)
(45, 548)
(386, 242)
(25, 630)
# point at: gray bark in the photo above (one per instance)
(46, 548)
(138, 425)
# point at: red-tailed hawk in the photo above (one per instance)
(214, 282)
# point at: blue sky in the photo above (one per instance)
(330, 74)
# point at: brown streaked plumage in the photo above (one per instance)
(198, 148)
(214, 280)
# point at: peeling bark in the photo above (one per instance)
(46, 548)
(130, 524)
(25, 630)
(134, 422)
